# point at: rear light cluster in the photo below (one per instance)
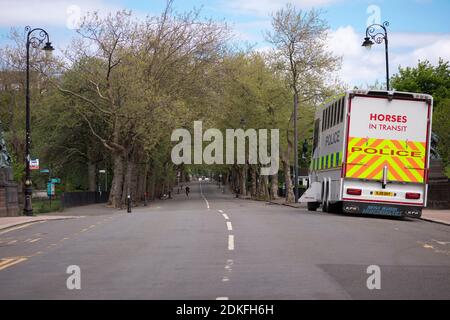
(354, 192)
(412, 195)
(358, 192)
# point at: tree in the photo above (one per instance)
(300, 47)
(254, 96)
(433, 80)
(132, 82)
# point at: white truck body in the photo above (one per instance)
(371, 154)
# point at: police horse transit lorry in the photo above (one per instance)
(371, 154)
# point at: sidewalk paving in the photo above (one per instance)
(68, 213)
(439, 216)
(9, 222)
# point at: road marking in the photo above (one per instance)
(13, 241)
(35, 240)
(222, 298)
(230, 242)
(221, 211)
(92, 226)
(442, 243)
(225, 216)
(16, 228)
(8, 262)
(204, 198)
(229, 226)
(28, 240)
(84, 230)
(225, 279)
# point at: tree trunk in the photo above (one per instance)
(128, 182)
(115, 195)
(254, 191)
(92, 177)
(263, 191)
(142, 184)
(274, 186)
(242, 181)
(290, 198)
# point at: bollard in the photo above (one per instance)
(145, 199)
(129, 204)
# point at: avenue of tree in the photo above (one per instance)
(112, 99)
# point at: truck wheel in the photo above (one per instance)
(313, 206)
(335, 207)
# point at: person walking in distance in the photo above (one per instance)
(187, 191)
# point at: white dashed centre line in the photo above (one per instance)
(229, 226)
(230, 242)
(225, 216)
(222, 298)
(203, 196)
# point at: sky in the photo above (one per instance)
(418, 30)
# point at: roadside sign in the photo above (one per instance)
(45, 171)
(50, 189)
(55, 180)
(34, 164)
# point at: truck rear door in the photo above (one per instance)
(388, 141)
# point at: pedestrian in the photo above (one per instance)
(187, 191)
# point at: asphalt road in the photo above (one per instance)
(215, 246)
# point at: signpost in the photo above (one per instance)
(55, 180)
(50, 189)
(34, 164)
(106, 178)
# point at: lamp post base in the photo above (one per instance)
(28, 209)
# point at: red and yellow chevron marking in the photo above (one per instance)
(367, 158)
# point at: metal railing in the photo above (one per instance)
(73, 199)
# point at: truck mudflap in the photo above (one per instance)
(381, 209)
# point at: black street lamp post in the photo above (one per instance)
(35, 42)
(374, 33)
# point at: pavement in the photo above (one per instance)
(213, 246)
(438, 216)
(68, 213)
(9, 222)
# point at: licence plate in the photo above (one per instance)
(384, 193)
